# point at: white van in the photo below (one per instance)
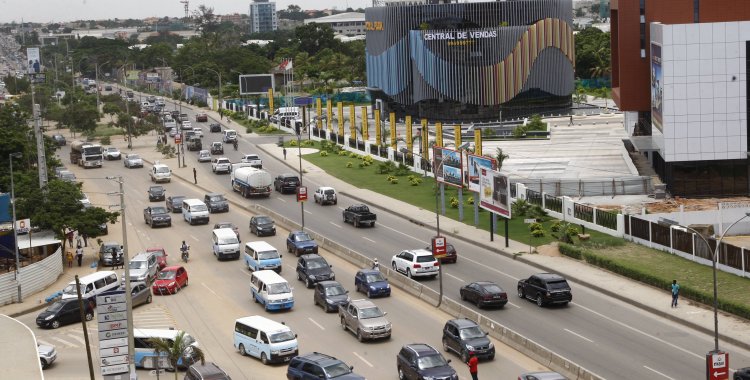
(161, 173)
(92, 285)
(225, 244)
(265, 339)
(260, 255)
(271, 290)
(230, 135)
(145, 354)
(284, 113)
(194, 211)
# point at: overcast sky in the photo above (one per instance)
(69, 10)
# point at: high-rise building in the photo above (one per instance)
(263, 16)
(679, 73)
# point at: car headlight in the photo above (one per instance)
(311, 277)
(141, 277)
(49, 317)
(171, 284)
(275, 352)
(470, 347)
(491, 345)
(387, 286)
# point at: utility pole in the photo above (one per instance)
(40, 154)
(82, 308)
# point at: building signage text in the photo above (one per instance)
(460, 35)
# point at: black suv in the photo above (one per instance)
(421, 361)
(214, 127)
(216, 202)
(174, 203)
(286, 183)
(463, 336)
(330, 295)
(545, 288)
(317, 366)
(64, 312)
(156, 193)
(194, 143)
(313, 268)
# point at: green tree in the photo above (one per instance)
(592, 48)
(500, 156)
(314, 37)
(177, 349)
(81, 117)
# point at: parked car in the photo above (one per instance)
(161, 256)
(365, 320)
(484, 293)
(545, 288)
(325, 195)
(204, 156)
(285, 183)
(252, 159)
(85, 201)
(313, 268)
(174, 203)
(111, 253)
(112, 153)
(64, 312)
(221, 165)
(415, 263)
(201, 117)
(451, 256)
(557, 376)
(422, 361)
(59, 140)
(217, 147)
(320, 366)
(214, 127)
(157, 216)
(67, 176)
(463, 336)
(359, 215)
(299, 243)
(262, 225)
(372, 283)
(133, 160)
(141, 293)
(330, 295)
(47, 354)
(156, 193)
(216, 202)
(172, 132)
(170, 280)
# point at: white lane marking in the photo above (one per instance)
(308, 212)
(368, 239)
(245, 271)
(489, 267)
(78, 338)
(655, 371)
(194, 238)
(399, 232)
(341, 208)
(580, 336)
(64, 342)
(290, 267)
(514, 305)
(281, 199)
(335, 224)
(210, 290)
(316, 323)
(450, 275)
(363, 359)
(640, 332)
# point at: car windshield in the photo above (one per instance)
(279, 288)
(558, 285)
(57, 305)
(375, 277)
(282, 337)
(251, 157)
(156, 189)
(166, 275)
(425, 259)
(162, 169)
(492, 289)
(200, 208)
(335, 290)
(268, 255)
(222, 161)
(338, 369)
(316, 264)
(471, 332)
(134, 157)
(302, 237)
(111, 149)
(71, 289)
(370, 312)
(137, 265)
(431, 361)
(263, 220)
(158, 253)
(216, 198)
(158, 210)
(228, 240)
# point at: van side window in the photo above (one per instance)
(89, 288)
(111, 279)
(263, 337)
(263, 288)
(252, 332)
(100, 283)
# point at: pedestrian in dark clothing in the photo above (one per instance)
(195, 176)
(473, 363)
(79, 256)
(284, 153)
(85, 239)
(70, 237)
(675, 292)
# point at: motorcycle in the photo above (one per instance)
(235, 144)
(185, 253)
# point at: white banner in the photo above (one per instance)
(494, 192)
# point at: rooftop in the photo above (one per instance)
(341, 17)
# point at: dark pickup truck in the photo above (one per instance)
(359, 215)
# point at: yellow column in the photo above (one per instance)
(439, 134)
(392, 118)
(478, 142)
(425, 140)
(409, 141)
(365, 125)
(340, 108)
(319, 110)
(457, 132)
(352, 122)
(270, 101)
(329, 110)
(378, 128)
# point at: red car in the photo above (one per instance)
(201, 117)
(161, 256)
(170, 280)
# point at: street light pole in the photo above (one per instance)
(15, 231)
(220, 100)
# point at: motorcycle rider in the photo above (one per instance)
(185, 251)
(235, 144)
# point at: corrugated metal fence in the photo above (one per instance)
(34, 278)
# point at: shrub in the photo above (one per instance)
(362, 165)
(520, 207)
(106, 140)
(343, 153)
(415, 181)
(402, 170)
(470, 200)
(349, 164)
(323, 153)
(537, 233)
(394, 181)
(556, 226)
(352, 155)
(571, 251)
(454, 202)
(293, 143)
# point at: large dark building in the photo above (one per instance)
(449, 61)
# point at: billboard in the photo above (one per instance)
(657, 87)
(494, 194)
(256, 84)
(448, 166)
(152, 78)
(7, 239)
(35, 60)
(475, 163)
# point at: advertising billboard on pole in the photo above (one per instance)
(494, 194)
(256, 84)
(475, 163)
(35, 61)
(448, 166)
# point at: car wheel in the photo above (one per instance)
(89, 316)
(44, 363)
(242, 350)
(308, 283)
(149, 299)
(327, 308)
(401, 375)
(539, 301)
(520, 293)
(55, 324)
(445, 346)
(491, 357)
(369, 295)
(393, 265)
(464, 356)
(356, 223)
(463, 296)
(408, 272)
(263, 358)
(360, 336)
(299, 276)
(343, 324)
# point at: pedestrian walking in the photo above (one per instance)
(195, 176)
(69, 235)
(85, 239)
(79, 242)
(69, 257)
(675, 292)
(284, 153)
(79, 256)
(473, 364)
(571, 120)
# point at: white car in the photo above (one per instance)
(204, 156)
(133, 161)
(416, 263)
(112, 153)
(198, 132)
(252, 159)
(325, 195)
(47, 354)
(221, 165)
(161, 173)
(186, 125)
(85, 200)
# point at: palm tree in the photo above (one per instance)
(176, 349)
(500, 156)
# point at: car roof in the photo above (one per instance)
(463, 322)
(172, 267)
(420, 252)
(368, 271)
(549, 276)
(311, 256)
(422, 349)
(363, 303)
(287, 175)
(319, 358)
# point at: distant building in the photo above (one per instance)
(285, 24)
(263, 16)
(348, 24)
(234, 18)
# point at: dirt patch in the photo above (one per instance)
(673, 204)
(549, 250)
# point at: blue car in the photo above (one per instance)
(300, 243)
(372, 283)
